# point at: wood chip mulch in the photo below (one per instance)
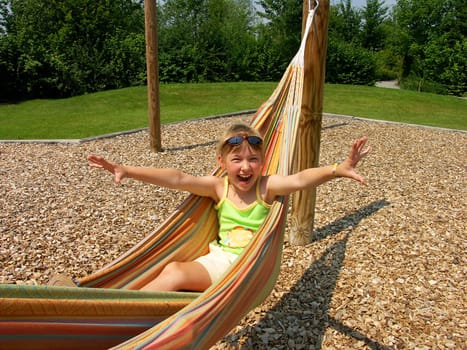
(385, 268)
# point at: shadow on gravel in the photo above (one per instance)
(349, 221)
(187, 147)
(302, 313)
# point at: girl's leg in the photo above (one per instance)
(177, 276)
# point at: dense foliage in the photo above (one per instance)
(60, 48)
(206, 40)
(433, 44)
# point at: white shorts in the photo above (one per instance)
(217, 261)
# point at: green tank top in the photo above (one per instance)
(237, 226)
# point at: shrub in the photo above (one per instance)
(349, 64)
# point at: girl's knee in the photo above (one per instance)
(185, 276)
(173, 268)
(169, 279)
(174, 275)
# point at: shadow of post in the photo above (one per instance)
(349, 221)
(301, 315)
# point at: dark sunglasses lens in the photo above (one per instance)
(234, 141)
(254, 140)
(237, 140)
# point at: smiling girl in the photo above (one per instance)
(243, 198)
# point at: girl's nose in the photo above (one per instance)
(245, 165)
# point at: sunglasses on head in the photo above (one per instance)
(237, 140)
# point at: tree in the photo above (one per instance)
(281, 30)
(374, 15)
(433, 44)
(348, 62)
(205, 40)
(66, 48)
(345, 23)
(4, 15)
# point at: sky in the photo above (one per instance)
(357, 3)
(361, 3)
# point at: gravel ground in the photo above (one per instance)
(385, 270)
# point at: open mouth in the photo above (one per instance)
(244, 178)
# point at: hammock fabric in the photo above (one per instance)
(107, 311)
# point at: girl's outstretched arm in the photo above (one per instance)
(207, 186)
(313, 177)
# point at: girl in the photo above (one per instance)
(243, 199)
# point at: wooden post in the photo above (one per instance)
(309, 134)
(152, 66)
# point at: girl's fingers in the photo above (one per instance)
(94, 165)
(359, 145)
(366, 152)
(98, 162)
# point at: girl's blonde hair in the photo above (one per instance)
(224, 148)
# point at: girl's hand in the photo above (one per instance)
(101, 163)
(357, 153)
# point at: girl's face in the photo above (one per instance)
(243, 166)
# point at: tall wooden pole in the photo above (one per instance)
(152, 66)
(309, 134)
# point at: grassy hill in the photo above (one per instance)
(126, 109)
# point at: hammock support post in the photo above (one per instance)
(311, 113)
(152, 65)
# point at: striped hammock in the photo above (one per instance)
(107, 311)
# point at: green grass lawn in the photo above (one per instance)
(126, 109)
(397, 105)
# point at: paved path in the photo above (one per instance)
(390, 84)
